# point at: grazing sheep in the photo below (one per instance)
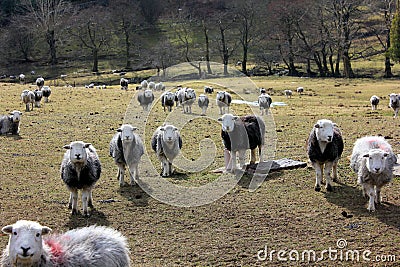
(168, 100)
(373, 160)
(28, 97)
(126, 147)
(144, 84)
(80, 170)
(167, 144)
(39, 82)
(264, 102)
(203, 102)
(223, 101)
(300, 90)
(9, 124)
(324, 148)
(288, 93)
(38, 97)
(159, 86)
(374, 102)
(46, 91)
(145, 99)
(208, 89)
(30, 244)
(21, 78)
(124, 83)
(151, 85)
(186, 98)
(394, 103)
(239, 134)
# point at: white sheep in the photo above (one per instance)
(151, 85)
(168, 100)
(46, 91)
(373, 160)
(208, 89)
(167, 144)
(144, 84)
(126, 148)
(40, 82)
(10, 124)
(186, 98)
(145, 99)
(203, 103)
(394, 103)
(28, 98)
(38, 97)
(80, 170)
(264, 102)
(124, 83)
(324, 149)
(288, 93)
(30, 244)
(374, 100)
(223, 101)
(159, 86)
(21, 78)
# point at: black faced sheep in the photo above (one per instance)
(239, 134)
(264, 102)
(39, 82)
(300, 90)
(373, 160)
(124, 83)
(10, 124)
(30, 244)
(223, 101)
(80, 170)
(28, 98)
(126, 147)
(208, 89)
(167, 144)
(168, 100)
(46, 91)
(324, 149)
(394, 103)
(374, 100)
(145, 99)
(186, 98)
(203, 102)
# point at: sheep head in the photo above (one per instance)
(169, 96)
(170, 133)
(127, 134)
(324, 130)
(376, 160)
(393, 99)
(190, 94)
(228, 122)
(148, 93)
(77, 151)
(16, 115)
(25, 243)
(220, 95)
(202, 98)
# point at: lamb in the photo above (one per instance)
(145, 99)
(31, 245)
(46, 91)
(223, 101)
(28, 97)
(39, 82)
(239, 134)
(159, 86)
(168, 100)
(394, 103)
(264, 102)
(300, 90)
(208, 89)
(80, 170)
(373, 160)
(9, 124)
(151, 85)
(144, 84)
(126, 148)
(124, 83)
(288, 93)
(324, 149)
(38, 97)
(186, 98)
(167, 144)
(374, 102)
(203, 102)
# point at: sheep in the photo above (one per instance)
(28, 97)
(264, 102)
(144, 84)
(186, 98)
(89, 86)
(394, 103)
(324, 149)
(151, 85)
(263, 91)
(145, 99)
(223, 101)
(208, 89)
(9, 124)
(374, 102)
(39, 82)
(300, 90)
(126, 148)
(38, 97)
(80, 170)
(46, 91)
(239, 134)
(168, 100)
(124, 83)
(203, 102)
(159, 86)
(21, 78)
(288, 93)
(373, 160)
(31, 244)
(167, 143)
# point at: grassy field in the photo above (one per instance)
(285, 213)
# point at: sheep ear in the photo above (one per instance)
(119, 130)
(134, 128)
(235, 118)
(316, 125)
(162, 129)
(7, 229)
(385, 154)
(87, 145)
(175, 129)
(334, 124)
(46, 230)
(220, 119)
(67, 147)
(366, 155)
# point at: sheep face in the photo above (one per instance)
(324, 130)
(77, 151)
(376, 160)
(202, 98)
(393, 99)
(169, 133)
(25, 243)
(228, 122)
(221, 95)
(190, 94)
(127, 134)
(148, 93)
(16, 115)
(170, 96)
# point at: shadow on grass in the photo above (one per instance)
(352, 199)
(246, 179)
(14, 136)
(135, 194)
(96, 218)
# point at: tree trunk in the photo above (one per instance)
(207, 48)
(388, 66)
(348, 71)
(50, 38)
(95, 60)
(127, 52)
(244, 61)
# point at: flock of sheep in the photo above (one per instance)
(30, 243)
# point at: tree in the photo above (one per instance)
(395, 35)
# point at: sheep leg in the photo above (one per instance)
(220, 111)
(134, 171)
(318, 175)
(73, 201)
(27, 107)
(252, 156)
(261, 153)
(85, 199)
(334, 171)
(90, 201)
(262, 111)
(378, 195)
(165, 167)
(204, 109)
(242, 157)
(396, 111)
(170, 169)
(370, 190)
(233, 161)
(121, 173)
(327, 172)
(227, 159)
